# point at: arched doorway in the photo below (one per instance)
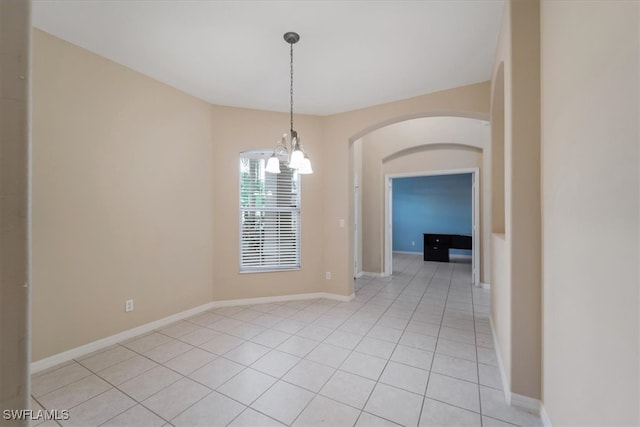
(442, 137)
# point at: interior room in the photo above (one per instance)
(196, 225)
(432, 204)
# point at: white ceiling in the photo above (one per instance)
(351, 54)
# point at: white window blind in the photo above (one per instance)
(269, 216)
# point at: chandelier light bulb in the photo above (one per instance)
(273, 164)
(305, 169)
(296, 160)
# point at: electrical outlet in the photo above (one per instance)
(128, 305)
(327, 275)
(413, 243)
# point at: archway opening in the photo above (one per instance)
(418, 146)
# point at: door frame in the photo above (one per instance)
(475, 216)
(357, 272)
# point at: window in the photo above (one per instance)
(269, 215)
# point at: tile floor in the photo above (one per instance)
(414, 349)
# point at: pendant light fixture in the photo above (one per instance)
(292, 149)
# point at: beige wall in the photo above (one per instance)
(122, 198)
(500, 245)
(434, 158)
(419, 145)
(519, 332)
(15, 29)
(525, 215)
(590, 140)
(236, 130)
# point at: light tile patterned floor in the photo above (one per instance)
(414, 349)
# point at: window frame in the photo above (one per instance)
(264, 155)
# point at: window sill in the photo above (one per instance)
(269, 270)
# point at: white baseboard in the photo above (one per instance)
(506, 387)
(525, 403)
(74, 353)
(484, 285)
(282, 298)
(546, 421)
(460, 257)
(85, 349)
(372, 274)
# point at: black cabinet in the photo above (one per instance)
(437, 240)
(436, 253)
(436, 246)
(460, 242)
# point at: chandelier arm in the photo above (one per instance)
(283, 148)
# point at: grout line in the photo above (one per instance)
(345, 359)
(475, 338)
(166, 367)
(424, 397)
(136, 376)
(245, 367)
(281, 378)
(398, 342)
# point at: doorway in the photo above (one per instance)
(474, 226)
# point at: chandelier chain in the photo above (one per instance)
(291, 87)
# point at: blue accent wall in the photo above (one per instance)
(430, 204)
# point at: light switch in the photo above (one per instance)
(341, 222)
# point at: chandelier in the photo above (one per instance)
(292, 149)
